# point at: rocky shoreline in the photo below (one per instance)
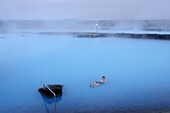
(156, 36)
(125, 35)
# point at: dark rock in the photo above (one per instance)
(144, 36)
(56, 88)
(92, 35)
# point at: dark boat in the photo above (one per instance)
(56, 88)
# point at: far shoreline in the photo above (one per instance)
(156, 36)
(87, 34)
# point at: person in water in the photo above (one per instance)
(103, 80)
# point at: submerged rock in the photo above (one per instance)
(56, 88)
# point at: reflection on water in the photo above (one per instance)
(50, 101)
(137, 72)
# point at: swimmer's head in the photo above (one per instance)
(103, 76)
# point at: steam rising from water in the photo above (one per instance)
(146, 25)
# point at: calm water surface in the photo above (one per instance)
(137, 71)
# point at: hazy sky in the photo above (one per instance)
(85, 9)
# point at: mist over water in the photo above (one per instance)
(85, 25)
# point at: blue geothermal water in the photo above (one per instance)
(137, 72)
